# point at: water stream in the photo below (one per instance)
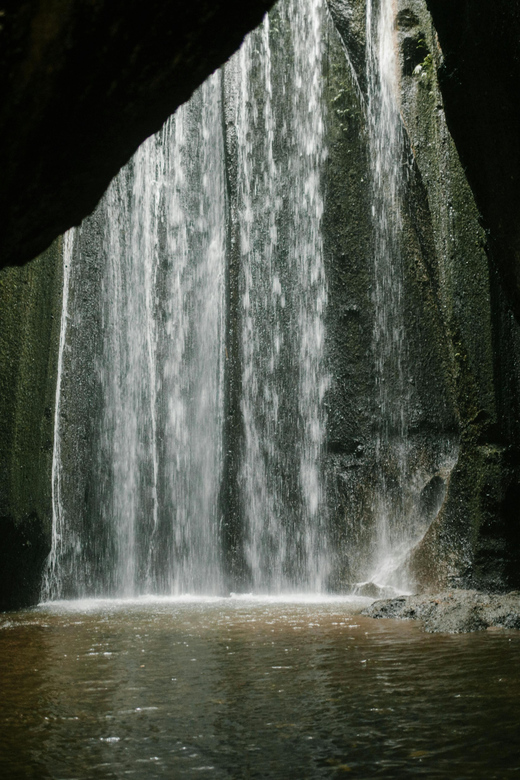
(281, 152)
(398, 524)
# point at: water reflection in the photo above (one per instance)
(236, 688)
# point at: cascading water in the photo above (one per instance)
(392, 523)
(280, 138)
(159, 370)
(409, 481)
(146, 514)
(162, 370)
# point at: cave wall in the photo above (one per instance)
(82, 84)
(474, 538)
(30, 313)
(355, 461)
(465, 344)
(479, 72)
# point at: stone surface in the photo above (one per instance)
(82, 84)
(30, 309)
(462, 337)
(474, 540)
(353, 415)
(453, 612)
(479, 73)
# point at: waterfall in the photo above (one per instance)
(161, 370)
(140, 439)
(52, 575)
(390, 496)
(280, 137)
(158, 446)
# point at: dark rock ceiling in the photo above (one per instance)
(82, 84)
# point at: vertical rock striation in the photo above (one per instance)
(453, 308)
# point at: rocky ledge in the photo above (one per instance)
(453, 612)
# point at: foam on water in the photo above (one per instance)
(239, 600)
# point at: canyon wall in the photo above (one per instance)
(474, 538)
(458, 297)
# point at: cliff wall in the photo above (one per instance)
(459, 116)
(30, 313)
(455, 307)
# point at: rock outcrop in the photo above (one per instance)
(461, 334)
(453, 612)
(82, 84)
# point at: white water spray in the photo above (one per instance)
(280, 132)
(151, 523)
(391, 540)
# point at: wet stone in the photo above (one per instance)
(453, 612)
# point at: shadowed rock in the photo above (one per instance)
(479, 79)
(82, 84)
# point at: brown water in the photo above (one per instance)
(242, 688)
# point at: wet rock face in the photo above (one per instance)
(354, 419)
(479, 77)
(30, 308)
(473, 542)
(461, 333)
(82, 84)
(349, 18)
